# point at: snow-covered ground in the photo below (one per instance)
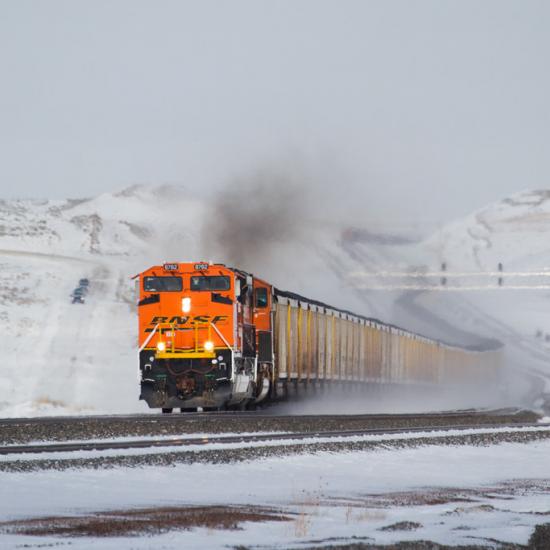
(456, 495)
(63, 358)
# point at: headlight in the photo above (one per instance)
(161, 346)
(209, 346)
(186, 305)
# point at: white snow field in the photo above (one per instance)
(455, 495)
(64, 358)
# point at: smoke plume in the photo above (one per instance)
(253, 215)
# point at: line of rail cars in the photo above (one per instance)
(211, 336)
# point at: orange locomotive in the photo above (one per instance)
(205, 336)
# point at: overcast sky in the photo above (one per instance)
(421, 109)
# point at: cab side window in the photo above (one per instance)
(260, 300)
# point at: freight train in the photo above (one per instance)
(212, 337)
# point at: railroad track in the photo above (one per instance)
(155, 418)
(252, 438)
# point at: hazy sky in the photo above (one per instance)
(421, 109)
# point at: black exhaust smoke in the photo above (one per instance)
(252, 215)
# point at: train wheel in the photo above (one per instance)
(167, 410)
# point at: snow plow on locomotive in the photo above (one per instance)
(212, 337)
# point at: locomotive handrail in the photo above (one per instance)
(148, 339)
(218, 332)
(172, 327)
(196, 352)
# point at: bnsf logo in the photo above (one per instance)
(177, 320)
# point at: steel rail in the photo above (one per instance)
(251, 438)
(181, 417)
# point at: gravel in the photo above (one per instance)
(21, 431)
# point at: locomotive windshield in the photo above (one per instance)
(203, 282)
(162, 284)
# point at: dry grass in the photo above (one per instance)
(355, 513)
(439, 496)
(302, 524)
(149, 521)
(47, 401)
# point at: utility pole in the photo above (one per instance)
(443, 278)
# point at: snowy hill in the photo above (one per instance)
(400, 280)
(60, 357)
(119, 224)
(513, 231)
